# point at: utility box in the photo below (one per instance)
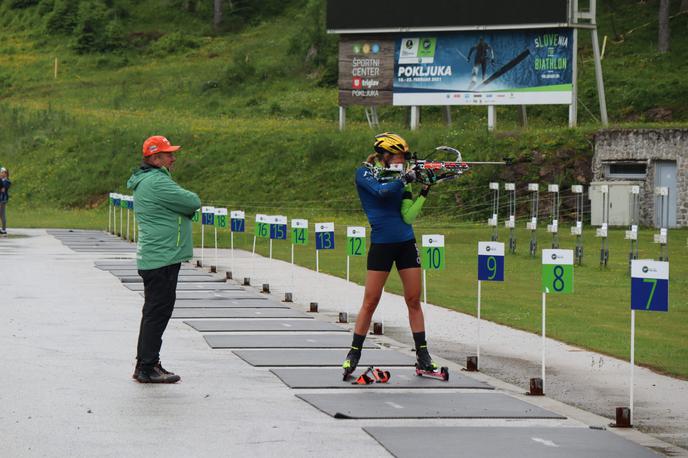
(618, 198)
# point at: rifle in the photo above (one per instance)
(431, 172)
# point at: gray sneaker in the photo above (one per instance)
(156, 375)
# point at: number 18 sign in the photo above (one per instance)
(490, 261)
(432, 254)
(557, 271)
(649, 285)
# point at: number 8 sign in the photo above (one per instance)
(432, 253)
(557, 271)
(650, 285)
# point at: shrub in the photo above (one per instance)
(238, 71)
(63, 17)
(173, 43)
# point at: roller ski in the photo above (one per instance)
(426, 367)
(372, 375)
(350, 363)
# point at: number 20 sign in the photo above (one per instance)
(557, 271)
(490, 261)
(650, 285)
(432, 252)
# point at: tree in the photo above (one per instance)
(663, 41)
(684, 5)
(217, 14)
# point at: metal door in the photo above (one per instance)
(665, 176)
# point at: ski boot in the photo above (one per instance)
(351, 362)
(425, 366)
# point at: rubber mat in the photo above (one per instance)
(230, 303)
(505, 442)
(180, 279)
(215, 295)
(281, 341)
(384, 405)
(239, 313)
(194, 286)
(189, 272)
(262, 326)
(400, 377)
(321, 358)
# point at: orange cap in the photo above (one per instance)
(158, 144)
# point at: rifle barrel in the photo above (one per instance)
(485, 163)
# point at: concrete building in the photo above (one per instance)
(648, 158)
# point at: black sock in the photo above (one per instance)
(419, 339)
(357, 343)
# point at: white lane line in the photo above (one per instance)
(394, 404)
(546, 442)
(286, 325)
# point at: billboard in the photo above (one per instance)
(366, 16)
(505, 67)
(366, 70)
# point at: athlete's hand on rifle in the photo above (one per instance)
(425, 191)
(408, 177)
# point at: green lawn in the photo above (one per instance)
(595, 316)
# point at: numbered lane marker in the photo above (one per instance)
(432, 252)
(557, 271)
(490, 261)
(299, 232)
(355, 241)
(237, 221)
(324, 240)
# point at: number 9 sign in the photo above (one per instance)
(557, 271)
(490, 261)
(432, 252)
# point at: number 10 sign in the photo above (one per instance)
(432, 254)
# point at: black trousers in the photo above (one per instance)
(160, 290)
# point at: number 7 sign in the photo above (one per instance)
(650, 285)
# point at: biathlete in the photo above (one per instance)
(389, 206)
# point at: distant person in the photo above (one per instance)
(483, 53)
(163, 210)
(5, 184)
(389, 206)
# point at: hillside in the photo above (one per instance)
(256, 116)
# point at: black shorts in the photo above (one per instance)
(382, 255)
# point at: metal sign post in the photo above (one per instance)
(324, 240)
(510, 223)
(490, 268)
(649, 292)
(299, 236)
(632, 232)
(494, 187)
(534, 191)
(220, 222)
(110, 201)
(278, 229)
(237, 224)
(602, 232)
(207, 219)
(577, 230)
(557, 277)
(355, 244)
(553, 226)
(122, 204)
(431, 257)
(662, 238)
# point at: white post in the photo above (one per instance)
(254, 246)
(342, 118)
(127, 224)
(317, 260)
(215, 246)
(270, 248)
(292, 267)
(425, 288)
(573, 108)
(121, 221)
(491, 117)
(231, 249)
(114, 220)
(202, 242)
(109, 215)
(415, 117)
(544, 310)
(477, 351)
(133, 225)
(347, 268)
(632, 364)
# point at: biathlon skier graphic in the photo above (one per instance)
(483, 54)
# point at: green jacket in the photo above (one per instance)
(163, 212)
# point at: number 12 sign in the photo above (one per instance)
(490, 261)
(649, 285)
(557, 271)
(324, 236)
(432, 254)
(355, 241)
